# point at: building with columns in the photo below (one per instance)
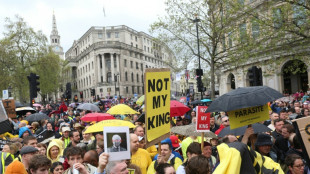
(112, 61)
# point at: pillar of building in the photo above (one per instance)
(98, 70)
(112, 66)
(103, 70)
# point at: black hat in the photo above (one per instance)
(263, 139)
(28, 149)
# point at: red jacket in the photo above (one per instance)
(219, 130)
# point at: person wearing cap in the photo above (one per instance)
(263, 145)
(26, 153)
(207, 152)
(168, 140)
(65, 135)
(24, 132)
(78, 127)
(165, 156)
(16, 167)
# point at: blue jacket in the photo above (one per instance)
(22, 130)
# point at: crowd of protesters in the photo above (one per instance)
(60, 145)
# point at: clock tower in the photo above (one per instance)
(55, 40)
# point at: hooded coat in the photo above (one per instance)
(60, 153)
(22, 130)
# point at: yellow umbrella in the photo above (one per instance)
(121, 109)
(98, 127)
(140, 100)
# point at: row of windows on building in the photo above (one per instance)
(110, 79)
(85, 69)
(134, 90)
(298, 16)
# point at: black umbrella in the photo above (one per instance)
(37, 117)
(257, 127)
(141, 118)
(244, 98)
(18, 104)
(196, 102)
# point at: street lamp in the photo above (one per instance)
(199, 72)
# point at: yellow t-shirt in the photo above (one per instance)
(142, 159)
(152, 151)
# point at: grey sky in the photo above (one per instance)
(75, 17)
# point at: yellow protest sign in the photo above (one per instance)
(246, 116)
(157, 104)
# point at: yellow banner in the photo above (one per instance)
(157, 101)
(246, 116)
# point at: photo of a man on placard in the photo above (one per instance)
(116, 144)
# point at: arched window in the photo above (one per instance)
(137, 77)
(126, 76)
(132, 77)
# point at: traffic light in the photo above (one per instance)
(68, 91)
(76, 98)
(32, 101)
(92, 92)
(199, 84)
(33, 85)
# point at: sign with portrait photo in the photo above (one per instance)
(117, 143)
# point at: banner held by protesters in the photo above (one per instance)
(247, 116)
(157, 92)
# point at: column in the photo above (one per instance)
(98, 71)
(103, 71)
(112, 66)
(264, 69)
(277, 81)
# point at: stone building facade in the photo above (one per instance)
(112, 61)
(273, 74)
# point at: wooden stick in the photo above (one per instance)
(202, 140)
(159, 148)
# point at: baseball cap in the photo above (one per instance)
(28, 149)
(175, 141)
(65, 128)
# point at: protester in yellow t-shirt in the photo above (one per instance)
(139, 157)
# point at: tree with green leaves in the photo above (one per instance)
(48, 68)
(178, 30)
(22, 51)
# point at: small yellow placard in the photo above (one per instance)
(246, 116)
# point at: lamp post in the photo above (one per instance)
(199, 72)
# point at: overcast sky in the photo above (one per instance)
(75, 17)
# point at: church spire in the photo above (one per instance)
(55, 39)
(54, 31)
